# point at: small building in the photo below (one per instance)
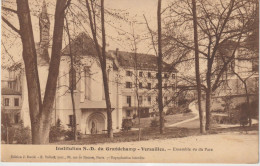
(11, 105)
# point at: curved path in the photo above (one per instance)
(192, 107)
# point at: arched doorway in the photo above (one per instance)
(96, 123)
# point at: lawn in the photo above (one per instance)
(146, 134)
(170, 119)
(150, 134)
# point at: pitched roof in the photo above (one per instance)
(81, 45)
(144, 61)
(8, 91)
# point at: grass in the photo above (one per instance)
(170, 119)
(147, 134)
(151, 134)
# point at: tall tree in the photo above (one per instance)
(219, 22)
(197, 65)
(72, 86)
(101, 53)
(40, 111)
(160, 95)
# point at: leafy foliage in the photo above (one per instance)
(127, 124)
(56, 132)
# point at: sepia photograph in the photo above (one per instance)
(130, 81)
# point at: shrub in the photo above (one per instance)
(127, 124)
(22, 134)
(56, 132)
(187, 110)
(155, 122)
(69, 135)
(134, 116)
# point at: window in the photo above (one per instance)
(71, 120)
(173, 76)
(165, 100)
(128, 113)
(72, 79)
(140, 100)
(166, 75)
(149, 99)
(128, 100)
(16, 102)
(87, 82)
(16, 118)
(165, 86)
(156, 86)
(128, 84)
(11, 84)
(149, 85)
(255, 65)
(149, 75)
(140, 85)
(128, 73)
(6, 101)
(140, 74)
(173, 87)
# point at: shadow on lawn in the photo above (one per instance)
(150, 134)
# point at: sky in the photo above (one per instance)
(132, 10)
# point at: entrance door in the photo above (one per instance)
(96, 123)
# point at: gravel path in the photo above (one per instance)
(192, 107)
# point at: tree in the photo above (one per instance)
(197, 65)
(160, 96)
(40, 111)
(72, 83)
(101, 53)
(218, 22)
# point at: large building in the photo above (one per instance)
(244, 67)
(86, 81)
(137, 78)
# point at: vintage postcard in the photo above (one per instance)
(130, 81)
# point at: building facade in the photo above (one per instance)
(127, 82)
(138, 85)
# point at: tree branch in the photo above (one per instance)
(11, 26)
(9, 9)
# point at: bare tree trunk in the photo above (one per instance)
(74, 125)
(102, 60)
(248, 105)
(40, 114)
(108, 103)
(197, 66)
(160, 101)
(31, 70)
(104, 71)
(208, 107)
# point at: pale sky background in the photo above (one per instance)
(131, 9)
